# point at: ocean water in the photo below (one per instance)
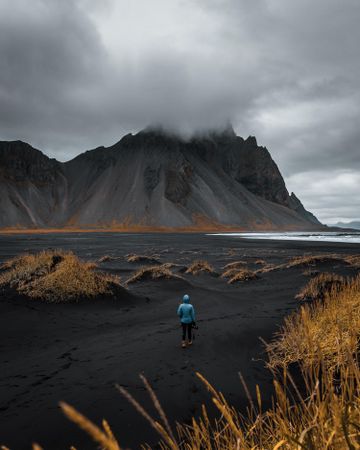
(331, 236)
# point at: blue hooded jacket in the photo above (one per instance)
(186, 311)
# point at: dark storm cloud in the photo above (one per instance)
(80, 73)
(50, 54)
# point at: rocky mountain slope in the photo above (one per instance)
(151, 179)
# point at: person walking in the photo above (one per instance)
(186, 312)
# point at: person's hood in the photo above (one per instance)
(186, 300)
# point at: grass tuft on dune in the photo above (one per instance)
(260, 262)
(235, 265)
(133, 258)
(311, 260)
(235, 274)
(353, 260)
(107, 258)
(325, 332)
(200, 266)
(56, 276)
(320, 286)
(159, 272)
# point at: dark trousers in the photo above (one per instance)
(186, 327)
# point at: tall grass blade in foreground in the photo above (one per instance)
(105, 437)
(164, 430)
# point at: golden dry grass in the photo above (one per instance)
(134, 258)
(235, 274)
(353, 260)
(107, 258)
(325, 331)
(235, 265)
(320, 418)
(243, 275)
(259, 262)
(153, 273)
(230, 272)
(56, 276)
(200, 266)
(320, 286)
(311, 260)
(310, 272)
(171, 265)
(308, 261)
(269, 268)
(102, 436)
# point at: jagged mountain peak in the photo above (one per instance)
(153, 178)
(251, 140)
(15, 149)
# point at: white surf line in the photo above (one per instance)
(345, 238)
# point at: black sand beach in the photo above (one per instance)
(77, 352)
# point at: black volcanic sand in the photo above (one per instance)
(77, 352)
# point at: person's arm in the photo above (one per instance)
(179, 311)
(193, 314)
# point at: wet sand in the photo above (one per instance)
(77, 352)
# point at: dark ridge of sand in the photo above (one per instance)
(78, 352)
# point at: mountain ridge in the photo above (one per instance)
(354, 224)
(150, 179)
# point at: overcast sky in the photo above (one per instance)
(76, 74)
